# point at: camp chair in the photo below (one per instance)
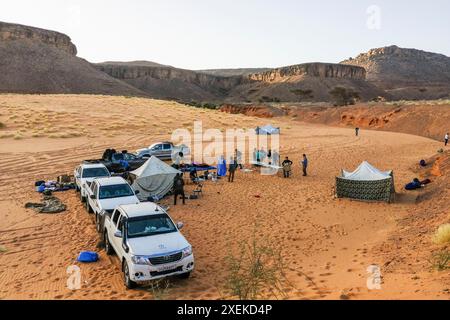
(198, 189)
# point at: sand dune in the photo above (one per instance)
(327, 243)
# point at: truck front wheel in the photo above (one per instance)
(88, 207)
(126, 277)
(83, 199)
(109, 250)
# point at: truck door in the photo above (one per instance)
(167, 151)
(95, 202)
(116, 240)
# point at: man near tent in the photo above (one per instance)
(232, 169)
(446, 139)
(287, 167)
(357, 131)
(304, 165)
(238, 156)
(178, 188)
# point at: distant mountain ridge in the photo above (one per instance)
(34, 60)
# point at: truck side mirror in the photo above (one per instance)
(92, 196)
(180, 225)
(136, 192)
(118, 234)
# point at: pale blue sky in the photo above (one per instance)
(200, 34)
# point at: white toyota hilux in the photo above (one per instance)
(147, 242)
(85, 173)
(106, 194)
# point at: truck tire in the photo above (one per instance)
(185, 275)
(97, 223)
(109, 250)
(77, 188)
(83, 199)
(126, 277)
(88, 207)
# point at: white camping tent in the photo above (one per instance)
(366, 172)
(153, 179)
(268, 129)
(366, 183)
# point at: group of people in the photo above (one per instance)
(287, 166)
(261, 156)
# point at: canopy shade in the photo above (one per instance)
(366, 172)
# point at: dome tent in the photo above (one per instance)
(366, 183)
(153, 179)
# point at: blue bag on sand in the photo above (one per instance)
(88, 256)
(41, 188)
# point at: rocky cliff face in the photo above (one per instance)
(321, 70)
(406, 73)
(11, 32)
(34, 60)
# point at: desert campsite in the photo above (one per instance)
(143, 181)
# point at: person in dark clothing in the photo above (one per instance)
(269, 156)
(286, 167)
(178, 188)
(357, 131)
(232, 169)
(446, 139)
(193, 175)
(304, 165)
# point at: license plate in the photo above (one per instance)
(167, 267)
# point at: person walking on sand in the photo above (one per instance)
(178, 186)
(287, 167)
(238, 156)
(446, 139)
(357, 131)
(304, 165)
(232, 169)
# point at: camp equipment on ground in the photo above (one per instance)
(267, 130)
(87, 256)
(50, 204)
(366, 183)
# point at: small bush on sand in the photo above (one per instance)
(160, 289)
(2, 125)
(3, 249)
(442, 235)
(18, 136)
(257, 271)
(441, 260)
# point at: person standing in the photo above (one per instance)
(305, 165)
(269, 157)
(238, 156)
(232, 168)
(357, 131)
(287, 167)
(178, 186)
(446, 139)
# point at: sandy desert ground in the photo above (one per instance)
(327, 243)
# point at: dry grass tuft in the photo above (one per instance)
(442, 235)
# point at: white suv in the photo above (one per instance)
(85, 173)
(148, 243)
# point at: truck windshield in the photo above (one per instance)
(150, 225)
(115, 191)
(95, 172)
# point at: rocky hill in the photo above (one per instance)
(166, 82)
(305, 82)
(406, 73)
(34, 60)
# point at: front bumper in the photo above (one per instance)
(141, 273)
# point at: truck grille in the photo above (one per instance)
(160, 273)
(166, 259)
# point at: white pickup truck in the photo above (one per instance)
(106, 194)
(147, 242)
(85, 173)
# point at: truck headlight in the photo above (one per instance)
(139, 260)
(187, 251)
